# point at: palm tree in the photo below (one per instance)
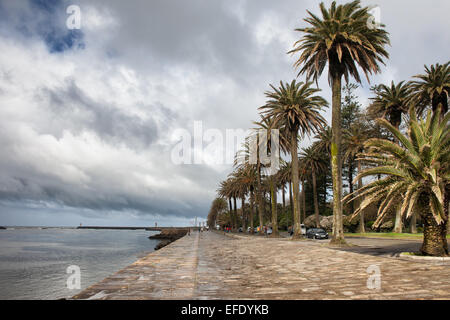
(249, 175)
(227, 190)
(303, 175)
(315, 163)
(242, 157)
(416, 165)
(241, 185)
(285, 177)
(343, 39)
(218, 206)
(391, 103)
(268, 145)
(354, 139)
(432, 88)
(323, 141)
(295, 107)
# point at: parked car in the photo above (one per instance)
(302, 228)
(316, 233)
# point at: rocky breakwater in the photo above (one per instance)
(168, 236)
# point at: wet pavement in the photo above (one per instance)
(211, 265)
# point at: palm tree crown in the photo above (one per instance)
(342, 38)
(295, 107)
(432, 88)
(390, 102)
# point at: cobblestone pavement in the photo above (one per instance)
(211, 265)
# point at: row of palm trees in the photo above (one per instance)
(341, 40)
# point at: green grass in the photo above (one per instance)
(389, 235)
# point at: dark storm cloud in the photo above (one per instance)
(44, 19)
(198, 32)
(111, 123)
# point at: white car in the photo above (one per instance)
(302, 229)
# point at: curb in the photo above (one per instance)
(404, 255)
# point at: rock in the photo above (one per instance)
(162, 244)
(310, 221)
(326, 223)
(168, 236)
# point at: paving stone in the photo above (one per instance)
(210, 265)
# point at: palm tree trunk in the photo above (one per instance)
(316, 203)
(336, 164)
(244, 216)
(291, 202)
(398, 227)
(361, 228)
(446, 202)
(294, 155)
(231, 212)
(252, 202)
(273, 196)
(434, 237)
(259, 193)
(413, 223)
(235, 224)
(303, 200)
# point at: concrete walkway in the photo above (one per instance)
(211, 265)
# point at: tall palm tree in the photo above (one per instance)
(432, 88)
(315, 164)
(265, 125)
(343, 39)
(391, 103)
(227, 190)
(416, 165)
(242, 157)
(295, 107)
(241, 185)
(250, 176)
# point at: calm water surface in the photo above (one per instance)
(33, 262)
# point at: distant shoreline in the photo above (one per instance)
(95, 228)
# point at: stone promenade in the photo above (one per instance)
(211, 265)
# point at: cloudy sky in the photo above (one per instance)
(88, 117)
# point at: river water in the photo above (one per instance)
(34, 262)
